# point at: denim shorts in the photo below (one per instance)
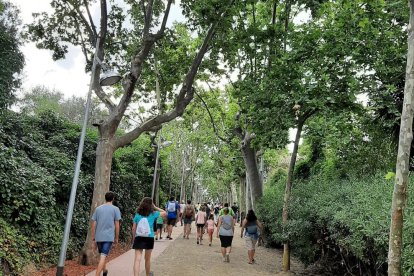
(104, 247)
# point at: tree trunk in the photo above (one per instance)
(403, 158)
(242, 197)
(288, 189)
(104, 153)
(250, 162)
(157, 184)
(182, 187)
(249, 204)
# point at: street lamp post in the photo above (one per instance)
(104, 81)
(157, 161)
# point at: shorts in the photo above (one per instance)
(251, 241)
(200, 225)
(143, 243)
(171, 221)
(210, 231)
(104, 248)
(187, 220)
(226, 241)
(159, 226)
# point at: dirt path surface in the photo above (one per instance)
(185, 257)
(182, 257)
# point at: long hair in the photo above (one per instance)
(251, 216)
(145, 208)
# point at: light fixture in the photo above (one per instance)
(109, 78)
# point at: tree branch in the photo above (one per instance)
(136, 64)
(90, 18)
(85, 22)
(164, 20)
(183, 98)
(211, 119)
(104, 98)
(147, 16)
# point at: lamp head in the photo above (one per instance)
(109, 78)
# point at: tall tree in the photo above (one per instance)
(147, 15)
(403, 158)
(12, 59)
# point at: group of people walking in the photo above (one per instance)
(148, 223)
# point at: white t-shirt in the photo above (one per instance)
(182, 207)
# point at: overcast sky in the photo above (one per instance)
(68, 75)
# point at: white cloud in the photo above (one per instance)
(67, 75)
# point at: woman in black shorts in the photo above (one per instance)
(201, 219)
(225, 232)
(143, 232)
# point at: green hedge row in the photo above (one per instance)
(37, 156)
(343, 225)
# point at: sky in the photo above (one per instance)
(67, 76)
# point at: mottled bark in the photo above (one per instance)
(242, 203)
(288, 189)
(103, 164)
(249, 157)
(249, 204)
(403, 158)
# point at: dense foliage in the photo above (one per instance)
(37, 156)
(341, 224)
(12, 60)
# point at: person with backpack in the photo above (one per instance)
(201, 219)
(143, 233)
(172, 208)
(251, 227)
(225, 232)
(189, 216)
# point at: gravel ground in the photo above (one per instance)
(185, 257)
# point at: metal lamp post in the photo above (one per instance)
(104, 81)
(157, 160)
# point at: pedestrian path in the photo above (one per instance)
(185, 258)
(123, 265)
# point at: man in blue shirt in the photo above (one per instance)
(105, 230)
(172, 208)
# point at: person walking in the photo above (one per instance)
(159, 224)
(210, 228)
(226, 205)
(250, 228)
(189, 216)
(201, 219)
(105, 230)
(172, 208)
(225, 232)
(235, 209)
(182, 206)
(143, 233)
(216, 212)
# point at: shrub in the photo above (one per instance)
(344, 224)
